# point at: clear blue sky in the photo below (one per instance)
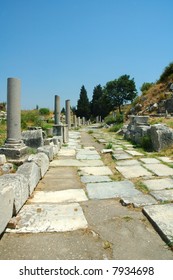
(56, 46)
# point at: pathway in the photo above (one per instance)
(75, 211)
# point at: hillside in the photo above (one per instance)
(158, 98)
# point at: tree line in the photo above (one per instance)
(105, 99)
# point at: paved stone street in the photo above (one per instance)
(91, 205)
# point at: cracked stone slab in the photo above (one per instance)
(160, 169)
(50, 218)
(111, 190)
(161, 216)
(150, 160)
(127, 162)
(94, 179)
(70, 195)
(158, 184)
(98, 170)
(163, 195)
(121, 155)
(75, 162)
(133, 171)
(138, 200)
(134, 153)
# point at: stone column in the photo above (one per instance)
(14, 146)
(79, 121)
(57, 109)
(75, 121)
(68, 116)
(13, 112)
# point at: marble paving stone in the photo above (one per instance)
(149, 160)
(161, 216)
(127, 162)
(88, 157)
(166, 159)
(163, 195)
(70, 195)
(100, 170)
(87, 152)
(158, 184)
(160, 169)
(66, 152)
(94, 179)
(111, 189)
(75, 162)
(121, 156)
(133, 171)
(138, 200)
(134, 153)
(50, 218)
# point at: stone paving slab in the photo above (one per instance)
(134, 153)
(98, 170)
(138, 200)
(94, 179)
(75, 162)
(50, 218)
(160, 169)
(127, 162)
(70, 195)
(163, 195)
(67, 152)
(133, 171)
(166, 159)
(120, 156)
(161, 216)
(111, 190)
(87, 157)
(150, 160)
(158, 184)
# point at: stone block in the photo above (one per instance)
(33, 138)
(2, 159)
(48, 150)
(32, 173)
(161, 137)
(19, 184)
(6, 202)
(42, 160)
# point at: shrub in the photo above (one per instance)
(116, 127)
(119, 118)
(110, 120)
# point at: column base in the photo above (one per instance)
(13, 152)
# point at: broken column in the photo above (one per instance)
(14, 146)
(68, 116)
(58, 126)
(57, 109)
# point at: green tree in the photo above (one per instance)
(44, 111)
(96, 102)
(120, 91)
(83, 104)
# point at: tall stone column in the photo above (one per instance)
(13, 112)
(68, 116)
(57, 109)
(14, 146)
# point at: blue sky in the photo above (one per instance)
(56, 46)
